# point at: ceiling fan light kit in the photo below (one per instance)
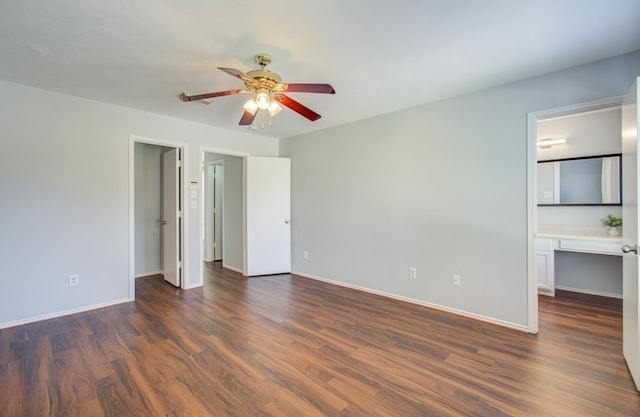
(267, 91)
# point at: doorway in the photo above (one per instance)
(256, 230)
(157, 231)
(222, 224)
(533, 120)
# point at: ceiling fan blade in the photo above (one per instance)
(309, 88)
(247, 118)
(297, 107)
(204, 96)
(237, 73)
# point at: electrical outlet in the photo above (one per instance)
(305, 254)
(412, 273)
(455, 280)
(74, 280)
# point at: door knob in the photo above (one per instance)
(286, 221)
(628, 249)
(163, 222)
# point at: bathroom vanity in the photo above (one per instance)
(549, 239)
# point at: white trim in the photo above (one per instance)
(148, 274)
(221, 152)
(133, 139)
(532, 222)
(584, 113)
(244, 216)
(238, 270)
(202, 150)
(62, 313)
(462, 313)
(590, 292)
(532, 206)
(132, 221)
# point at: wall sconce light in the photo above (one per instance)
(549, 142)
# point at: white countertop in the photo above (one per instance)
(573, 232)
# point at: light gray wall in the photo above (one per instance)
(148, 194)
(587, 135)
(590, 273)
(64, 181)
(440, 187)
(232, 217)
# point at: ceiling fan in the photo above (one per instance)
(267, 91)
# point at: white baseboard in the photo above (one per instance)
(148, 274)
(419, 302)
(546, 292)
(63, 313)
(232, 268)
(590, 292)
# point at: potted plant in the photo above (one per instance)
(613, 223)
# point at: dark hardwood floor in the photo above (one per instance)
(289, 346)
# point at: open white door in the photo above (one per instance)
(171, 216)
(630, 194)
(267, 211)
(213, 210)
(218, 210)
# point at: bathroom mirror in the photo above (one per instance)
(585, 181)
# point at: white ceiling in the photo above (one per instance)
(380, 55)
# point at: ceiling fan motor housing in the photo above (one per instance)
(265, 75)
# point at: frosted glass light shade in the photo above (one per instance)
(251, 106)
(263, 101)
(274, 108)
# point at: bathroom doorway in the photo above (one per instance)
(548, 124)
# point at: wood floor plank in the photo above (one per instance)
(290, 346)
(12, 387)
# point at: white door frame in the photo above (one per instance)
(133, 139)
(201, 159)
(532, 186)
